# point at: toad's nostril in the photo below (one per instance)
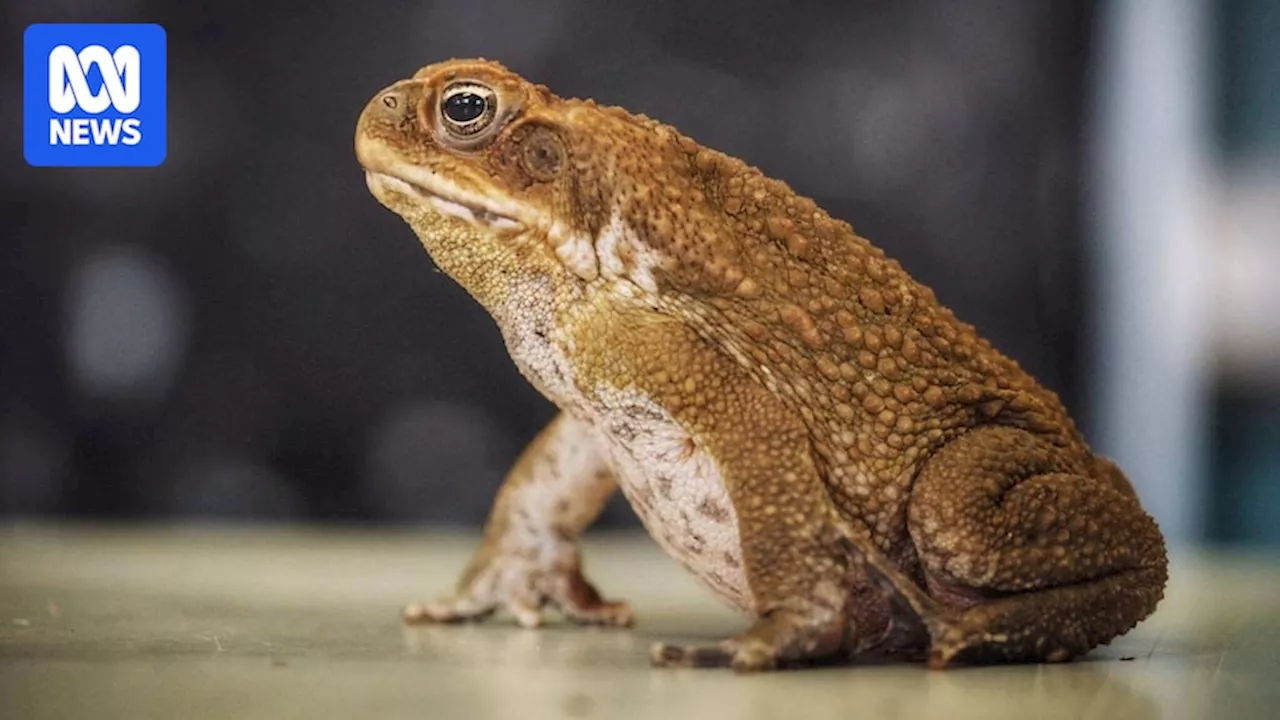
(391, 101)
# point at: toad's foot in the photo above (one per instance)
(524, 587)
(779, 639)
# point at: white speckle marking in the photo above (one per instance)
(574, 250)
(613, 239)
(538, 347)
(677, 491)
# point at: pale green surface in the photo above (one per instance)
(257, 623)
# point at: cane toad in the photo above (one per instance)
(791, 415)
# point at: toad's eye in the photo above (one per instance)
(464, 107)
(467, 108)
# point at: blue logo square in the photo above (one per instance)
(94, 95)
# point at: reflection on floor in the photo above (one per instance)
(276, 623)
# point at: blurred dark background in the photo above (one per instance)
(244, 332)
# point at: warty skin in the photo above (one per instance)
(791, 415)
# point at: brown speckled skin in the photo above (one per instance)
(897, 483)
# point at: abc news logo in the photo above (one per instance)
(69, 89)
(94, 95)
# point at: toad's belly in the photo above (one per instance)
(675, 487)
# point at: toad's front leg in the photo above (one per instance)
(529, 558)
(799, 580)
(799, 583)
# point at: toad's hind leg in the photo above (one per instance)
(1030, 552)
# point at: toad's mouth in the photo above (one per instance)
(449, 202)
